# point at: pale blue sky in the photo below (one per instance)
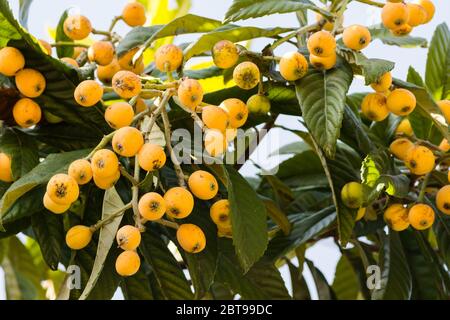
(46, 13)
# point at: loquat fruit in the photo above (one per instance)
(421, 216)
(246, 75)
(352, 195)
(52, 206)
(394, 15)
(134, 14)
(105, 183)
(77, 27)
(356, 37)
(152, 206)
(190, 93)
(128, 237)
(443, 199)
(383, 83)
(119, 115)
(293, 66)
(78, 237)
(402, 30)
(224, 232)
(215, 117)
(5, 168)
(81, 171)
(88, 93)
(168, 58)
(429, 8)
(420, 160)
(360, 213)
(128, 263)
(101, 52)
(104, 163)
(47, 47)
(77, 51)
(126, 60)
(31, 83)
(404, 127)
(225, 54)
(417, 14)
(374, 107)
(258, 103)
(401, 102)
(140, 105)
(203, 185)
(151, 157)
(26, 113)
(396, 217)
(323, 63)
(70, 61)
(126, 84)
(11, 61)
(179, 202)
(106, 73)
(127, 141)
(63, 189)
(220, 213)
(237, 111)
(444, 106)
(191, 238)
(321, 44)
(326, 24)
(400, 147)
(444, 145)
(215, 142)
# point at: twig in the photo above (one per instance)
(105, 140)
(125, 173)
(300, 31)
(372, 3)
(68, 44)
(113, 23)
(104, 33)
(167, 223)
(135, 195)
(423, 188)
(111, 217)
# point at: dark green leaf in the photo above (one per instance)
(383, 34)
(324, 291)
(346, 282)
(137, 287)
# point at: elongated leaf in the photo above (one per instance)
(300, 289)
(437, 75)
(324, 290)
(395, 278)
(137, 287)
(354, 133)
(111, 204)
(383, 34)
(246, 9)
(278, 216)
(321, 96)
(229, 32)
(24, 8)
(63, 51)
(346, 283)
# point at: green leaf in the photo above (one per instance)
(229, 32)
(22, 149)
(53, 164)
(49, 231)
(246, 9)
(442, 230)
(396, 281)
(248, 217)
(324, 291)
(414, 77)
(24, 7)
(346, 283)
(111, 204)
(8, 31)
(63, 51)
(278, 216)
(437, 75)
(354, 101)
(383, 34)
(300, 289)
(354, 133)
(137, 287)
(321, 96)
(171, 279)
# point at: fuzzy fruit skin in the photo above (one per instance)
(404, 127)
(63, 189)
(191, 238)
(127, 141)
(293, 66)
(203, 185)
(420, 160)
(225, 54)
(396, 217)
(46, 45)
(374, 107)
(50, 205)
(151, 157)
(246, 75)
(179, 202)
(444, 145)
(401, 102)
(361, 213)
(5, 168)
(133, 14)
(352, 195)
(383, 84)
(220, 213)
(321, 44)
(215, 142)
(128, 263)
(152, 206)
(215, 117)
(323, 63)
(106, 73)
(126, 60)
(400, 148)
(104, 163)
(119, 115)
(237, 111)
(31, 83)
(168, 58)
(126, 84)
(190, 93)
(443, 199)
(77, 51)
(78, 237)
(128, 237)
(421, 216)
(393, 15)
(429, 8)
(101, 52)
(258, 103)
(417, 14)
(444, 105)
(77, 27)
(26, 113)
(70, 61)
(356, 37)
(11, 61)
(326, 24)
(402, 30)
(140, 105)
(88, 93)
(81, 171)
(105, 183)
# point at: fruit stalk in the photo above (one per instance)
(372, 3)
(293, 34)
(111, 217)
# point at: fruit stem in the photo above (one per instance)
(168, 223)
(68, 44)
(372, 3)
(193, 114)
(135, 195)
(105, 140)
(423, 188)
(111, 217)
(128, 176)
(299, 31)
(104, 33)
(113, 23)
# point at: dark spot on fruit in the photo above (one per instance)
(223, 217)
(175, 211)
(212, 186)
(362, 40)
(154, 205)
(413, 163)
(61, 190)
(318, 50)
(447, 206)
(406, 109)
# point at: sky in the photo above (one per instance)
(44, 14)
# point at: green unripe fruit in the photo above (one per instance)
(352, 195)
(258, 103)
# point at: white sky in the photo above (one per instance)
(46, 13)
